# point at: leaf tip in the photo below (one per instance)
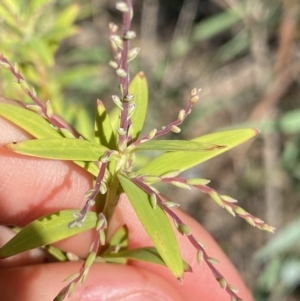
(141, 75)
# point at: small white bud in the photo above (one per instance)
(129, 97)
(175, 129)
(49, 108)
(116, 99)
(129, 35)
(121, 72)
(181, 115)
(133, 53)
(113, 64)
(122, 7)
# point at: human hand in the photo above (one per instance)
(32, 187)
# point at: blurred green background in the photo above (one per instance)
(244, 54)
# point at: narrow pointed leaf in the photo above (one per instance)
(120, 237)
(177, 145)
(104, 134)
(29, 121)
(139, 88)
(46, 230)
(182, 160)
(38, 127)
(60, 149)
(157, 225)
(114, 117)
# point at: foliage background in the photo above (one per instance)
(244, 54)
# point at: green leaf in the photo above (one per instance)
(39, 48)
(139, 88)
(182, 160)
(147, 254)
(67, 16)
(29, 121)
(46, 230)
(157, 225)
(177, 145)
(114, 119)
(216, 24)
(60, 149)
(103, 129)
(120, 238)
(38, 127)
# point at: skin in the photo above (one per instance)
(31, 187)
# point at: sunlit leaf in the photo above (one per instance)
(103, 129)
(177, 145)
(38, 127)
(29, 121)
(139, 88)
(183, 160)
(60, 149)
(157, 225)
(46, 230)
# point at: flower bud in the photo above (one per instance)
(121, 72)
(122, 7)
(175, 129)
(129, 35)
